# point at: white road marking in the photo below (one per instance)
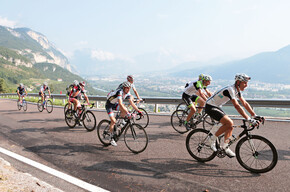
(54, 172)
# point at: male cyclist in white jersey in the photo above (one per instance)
(42, 91)
(221, 97)
(193, 94)
(115, 102)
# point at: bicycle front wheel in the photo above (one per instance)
(177, 121)
(103, 132)
(142, 120)
(198, 145)
(65, 108)
(49, 106)
(39, 106)
(24, 104)
(70, 118)
(89, 121)
(136, 138)
(256, 154)
(18, 105)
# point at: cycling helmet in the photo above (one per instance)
(45, 84)
(130, 78)
(126, 84)
(242, 77)
(82, 83)
(200, 77)
(21, 85)
(207, 78)
(75, 82)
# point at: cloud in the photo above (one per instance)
(5, 22)
(108, 56)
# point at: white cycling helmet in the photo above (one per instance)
(207, 78)
(45, 84)
(200, 77)
(75, 82)
(126, 84)
(21, 85)
(242, 77)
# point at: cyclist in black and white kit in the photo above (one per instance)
(20, 92)
(221, 97)
(115, 102)
(42, 91)
(193, 94)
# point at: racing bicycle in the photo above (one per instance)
(47, 104)
(22, 104)
(253, 152)
(135, 136)
(81, 115)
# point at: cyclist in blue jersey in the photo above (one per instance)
(20, 92)
(115, 102)
(193, 94)
(42, 91)
(221, 97)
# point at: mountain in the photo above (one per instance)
(33, 45)
(268, 67)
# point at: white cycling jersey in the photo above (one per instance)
(224, 95)
(192, 87)
(42, 88)
(114, 96)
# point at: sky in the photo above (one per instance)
(180, 31)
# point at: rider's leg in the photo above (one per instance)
(192, 111)
(201, 103)
(112, 124)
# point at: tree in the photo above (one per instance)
(2, 85)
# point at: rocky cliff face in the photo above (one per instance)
(32, 45)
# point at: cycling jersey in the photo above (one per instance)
(76, 89)
(224, 95)
(43, 90)
(191, 88)
(114, 96)
(21, 90)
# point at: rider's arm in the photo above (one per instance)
(18, 92)
(247, 106)
(25, 92)
(136, 93)
(48, 92)
(239, 108)
(122, 106)
(208, 92)
(86, 98)
(201, 94)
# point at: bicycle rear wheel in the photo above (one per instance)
(198, 145)
(256, 154)
(181, 106)
(24, 105)
(39, 106)
(177, 121)
(19, 105)
(142, 120)
(103, 132)
(70, 118)
(49, 106)
(89, 121)
(208, 122)
(136, 138)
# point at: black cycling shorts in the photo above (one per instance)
(189, 99)
(214, 112)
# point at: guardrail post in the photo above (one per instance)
(97, 104)
(156, 108)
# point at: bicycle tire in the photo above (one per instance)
(197, 148)
(103, 132)
(70, 118)
(18, 105)
(144, 120)
(89, 121)
(24, 105)
(177, 121)
(181, 106)
(49, 106)
(265, 154)
(65, 108)
(136, 138)
(39, 106)
(208, 122)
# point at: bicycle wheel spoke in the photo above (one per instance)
(89, 120)
(136, 138)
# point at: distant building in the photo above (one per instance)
(59, 79)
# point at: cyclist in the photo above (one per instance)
(115, 102)
(20, 92)
(77, 90)
(69, 89)
(130, 79)
(213, 109)
(42, 91)
(193, 94)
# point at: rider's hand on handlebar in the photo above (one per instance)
(140, 113)
(254, 122)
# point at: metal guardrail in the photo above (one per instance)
(275, 103)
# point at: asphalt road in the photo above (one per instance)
(164, 166)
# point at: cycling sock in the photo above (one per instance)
(185, 122)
